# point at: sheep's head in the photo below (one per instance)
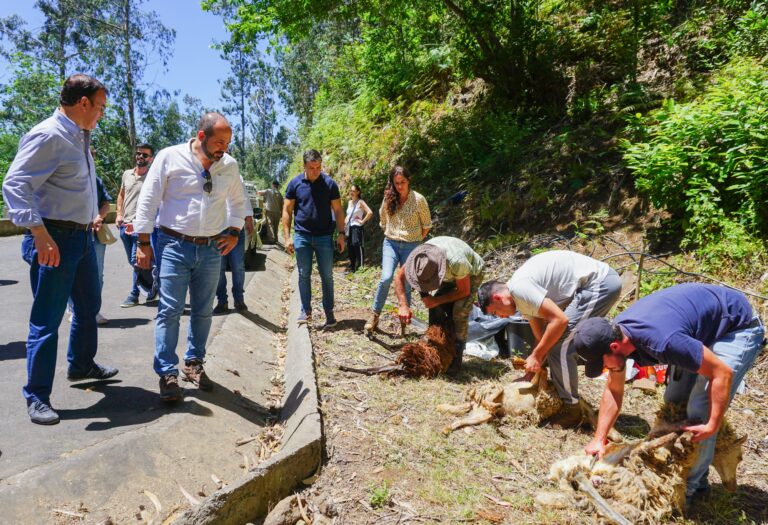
(726, 461)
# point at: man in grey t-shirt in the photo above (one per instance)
(555, 290)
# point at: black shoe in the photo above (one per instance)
(96, 372)
(170, 391)
(42, 414)
(330, 321)
(221, 308)
(455, 367)
(152, 298)
(240, 306)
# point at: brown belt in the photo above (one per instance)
(188, 238)
(68, 225)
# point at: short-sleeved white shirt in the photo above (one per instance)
(555, 275)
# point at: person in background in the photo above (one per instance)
(313, 197)
(404, 216)
(130, 187)
(709, 335)
(196, 188)
(236, 261)
(273, 204)
(50, 189)
(99, 247)
(358, 213)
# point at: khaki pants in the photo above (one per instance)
(274, 222)
(458, 310)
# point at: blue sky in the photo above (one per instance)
(195, 68)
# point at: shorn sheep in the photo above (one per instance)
(535, 400)
(642, 482)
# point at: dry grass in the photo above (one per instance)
(387, 461)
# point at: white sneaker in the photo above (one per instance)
(70, 313)
(100, 319)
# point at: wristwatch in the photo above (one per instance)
(144, 243)
(233, 232)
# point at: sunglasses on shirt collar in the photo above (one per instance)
(208, 185)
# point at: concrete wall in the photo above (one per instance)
(301, 447)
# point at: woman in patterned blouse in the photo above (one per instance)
(405, 219)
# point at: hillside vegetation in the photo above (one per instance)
(550, 113)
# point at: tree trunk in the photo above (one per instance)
(129, 73)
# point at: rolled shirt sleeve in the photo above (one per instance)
(34, 163)
(424, 216)
(236, 200)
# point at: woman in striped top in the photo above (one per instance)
(405, 219)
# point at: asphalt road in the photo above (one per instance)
(88, 417)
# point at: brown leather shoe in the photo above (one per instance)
(372, 323)
(170, 391)
(194, 373)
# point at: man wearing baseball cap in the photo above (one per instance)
(447, 273)
(708, 335)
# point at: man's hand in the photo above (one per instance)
(289, 245)
(430, 301)
(340, 240)
(144, 256)
(249, 225)
(47, 250)
(119, 220)
(98, 221)
(225, 243)
(596, 447)
(532, 364)
(405, 314)
(700, 432)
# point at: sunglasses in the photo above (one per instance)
(142, 155)
(208, 186)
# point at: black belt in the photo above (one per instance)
(68, 225)
(188, 238)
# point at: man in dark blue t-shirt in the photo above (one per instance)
(313, 198)
(710, 337)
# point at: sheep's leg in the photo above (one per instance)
(602, 505)
(455, 410)
(478, 416)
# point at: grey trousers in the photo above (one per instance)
(593, 301)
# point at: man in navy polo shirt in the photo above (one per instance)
(310, 197)
(709, 336)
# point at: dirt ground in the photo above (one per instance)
(388, 462)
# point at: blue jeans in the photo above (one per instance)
(100, 250)
(76, 277)
(738, 350)
(185, 266)
(321, 246)
(129, 243)
(392, 254)
(236, 261)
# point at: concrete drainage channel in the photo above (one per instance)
(301, 449)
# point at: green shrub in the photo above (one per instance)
(706, 161)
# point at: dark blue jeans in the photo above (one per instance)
(77, 276)
(129, 243)
(236, 261)
(322, 247)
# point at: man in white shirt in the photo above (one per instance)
(555, 290)
(196, 188)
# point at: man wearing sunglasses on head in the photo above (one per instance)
(130, 187)
(195, 191)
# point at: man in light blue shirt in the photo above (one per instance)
(50, 189)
